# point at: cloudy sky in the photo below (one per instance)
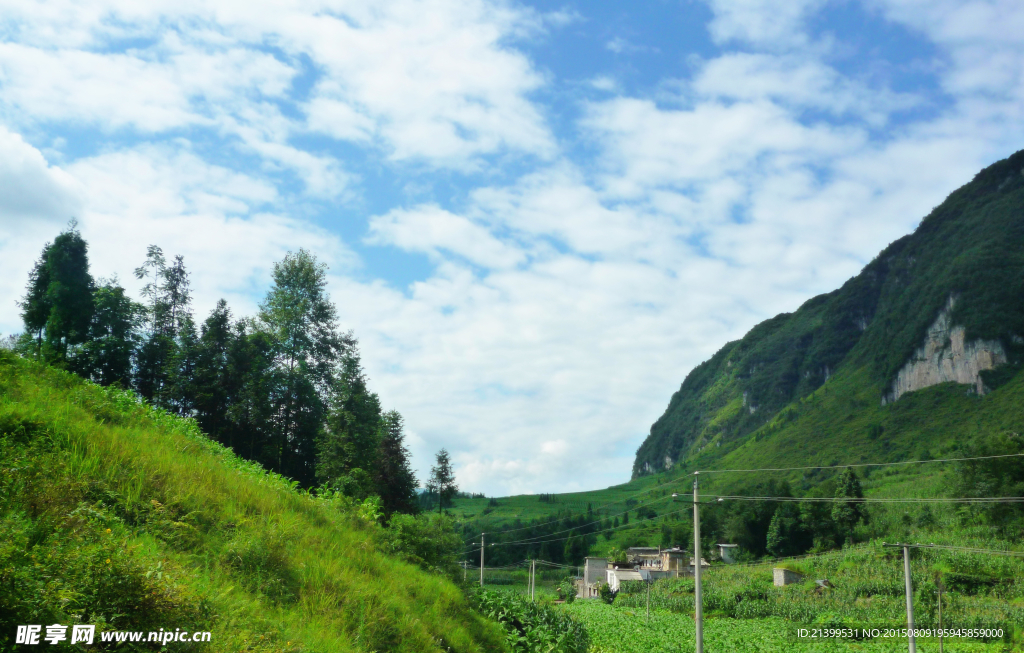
(538, 216)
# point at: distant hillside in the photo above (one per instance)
(942, 305)
(119, 515)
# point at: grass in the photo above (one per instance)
(116, 514)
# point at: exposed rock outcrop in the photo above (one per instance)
(946, 356)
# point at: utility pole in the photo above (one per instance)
(482, 559)
(648, 601)
(533, 580)
(910, 593)
(910, 599)
(698, 613)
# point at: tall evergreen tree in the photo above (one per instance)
(394, 478)
(58, 304)
(300, 317)
(348, 446)
(786, 534)
(846, 514)
(251, 388)
(214, 390)
(442, 480)
(182, 382)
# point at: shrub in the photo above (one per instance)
(532, 626)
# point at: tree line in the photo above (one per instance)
(284, 388)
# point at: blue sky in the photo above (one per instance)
(538, 216)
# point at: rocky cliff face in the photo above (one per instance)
(946, 356)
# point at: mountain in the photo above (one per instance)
(942, 307)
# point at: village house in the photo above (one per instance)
(645, 563)
(727, 552)
(594, 573)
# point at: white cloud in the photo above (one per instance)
(800, 82)
(33, 190)
(765, 23)
(430, 229)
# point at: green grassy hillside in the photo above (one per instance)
(116, 514)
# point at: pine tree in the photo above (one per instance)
(442, 479)
(846, 514)
(182, 384)
(214, 390)
(395, 479)
(251, 384)
(349, 445)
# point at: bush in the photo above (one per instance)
(567, 590)
(604, 590)
(429, 541)
(532, 626)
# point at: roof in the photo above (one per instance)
(643, 549)
(627, 574)
(728, 545)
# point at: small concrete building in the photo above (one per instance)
(617, 576)
(783, 577)
(728, 552)
(673, 560)
(644, 556)
(594, 573)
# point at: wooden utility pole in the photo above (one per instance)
(482, 559)
(698, 613)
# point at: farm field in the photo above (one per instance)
(625, 630)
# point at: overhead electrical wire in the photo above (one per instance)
(872, 499)
(904, 462)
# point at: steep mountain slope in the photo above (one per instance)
(944, 304)
(122, 516)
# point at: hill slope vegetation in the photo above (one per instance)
(117, 514)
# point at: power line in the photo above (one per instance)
(873, 499)
(905, 462)
(965, 549)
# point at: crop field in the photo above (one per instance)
(626, 630)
